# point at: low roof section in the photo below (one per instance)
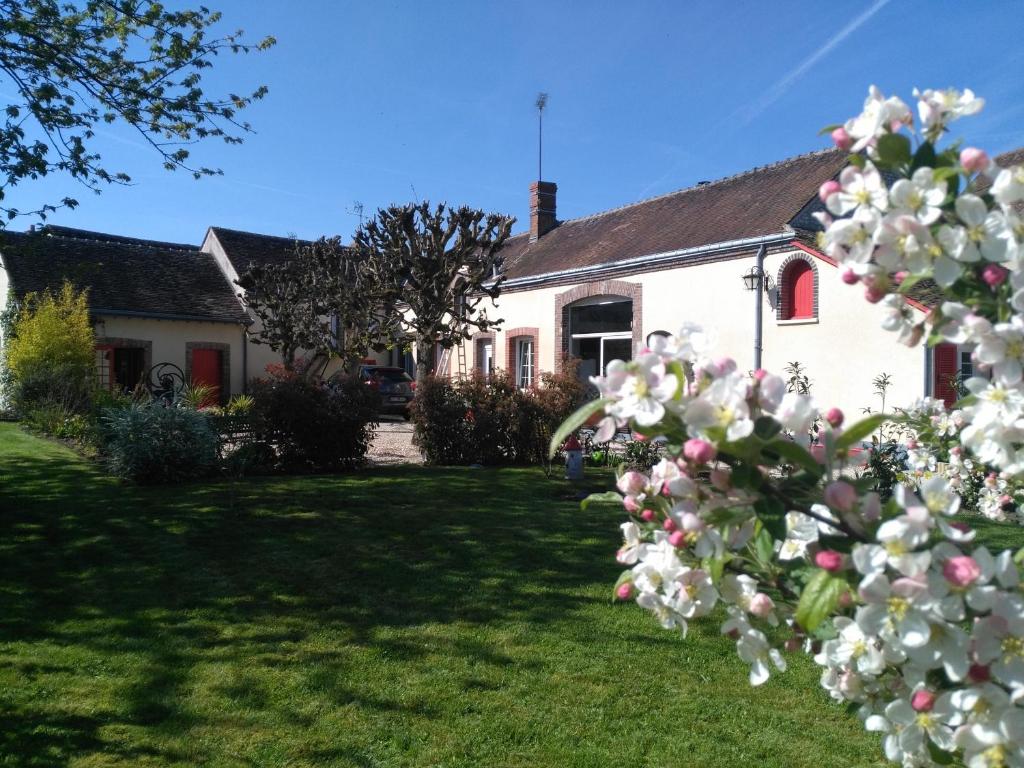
(756, 203)
(250, 249)
(125, 276)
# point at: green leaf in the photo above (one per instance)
(925, 156)
(715, 566)
(819, 598)
(795, 454)
(574, 422)
(601, 498)
(746, 476)
(894, 149)
(764, 546)
(945, 173)
(766, 427)
(857, 160)
(772, 514)
(860, 430)
(829, 128)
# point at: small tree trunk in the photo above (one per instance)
(424, 361)
(288, 358)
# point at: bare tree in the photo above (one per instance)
(433, 266)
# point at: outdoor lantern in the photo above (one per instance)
(573, 459)
(750, 279)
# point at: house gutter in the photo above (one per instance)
(778, 238)
(162, 316)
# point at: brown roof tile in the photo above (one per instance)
(759, 202)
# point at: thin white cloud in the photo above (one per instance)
(779, 89)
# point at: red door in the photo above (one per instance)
(207, 370)
(946, 374)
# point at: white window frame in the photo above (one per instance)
(526, 361)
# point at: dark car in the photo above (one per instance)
(396, 387)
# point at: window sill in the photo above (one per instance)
(798, 321)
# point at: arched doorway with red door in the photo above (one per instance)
(208, 364)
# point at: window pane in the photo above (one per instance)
(617, 349)
(602, 318)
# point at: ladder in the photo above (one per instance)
(462, 360)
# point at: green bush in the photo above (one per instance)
(155, 444)
(49, 357)
(490, 421)
(312, 426)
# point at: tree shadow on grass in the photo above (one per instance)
(246, 572)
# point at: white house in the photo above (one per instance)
(597, 287)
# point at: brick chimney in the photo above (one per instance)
(542, 209)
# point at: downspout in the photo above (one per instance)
(245, 359)
(927, 371)
(758, 300)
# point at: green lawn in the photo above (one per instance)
(397, 617)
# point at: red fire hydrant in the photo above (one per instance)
(573, 459)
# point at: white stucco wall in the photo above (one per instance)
(169, 338)
(842, 352)
(259, 355)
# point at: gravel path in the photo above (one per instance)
(392, 443)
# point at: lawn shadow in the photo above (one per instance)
(249, 572)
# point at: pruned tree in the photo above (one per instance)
(433, 266)
(75, 67)
(279, 297)
(319, 301)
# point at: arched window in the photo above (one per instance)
(797, 291)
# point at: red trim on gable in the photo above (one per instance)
(813, 252)
(829, 260)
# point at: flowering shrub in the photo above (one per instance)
(489, 420)
(921, 632)
(313, 427)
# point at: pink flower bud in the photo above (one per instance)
(1005, 500)
(979, 673)
(845, 599)
(760, 374)
(830, 560)
(647, 515)
(962, 527)
(840, 495)
(829, 188)
(961, 571)
(669, 524)
(720, 479)
(638, 436)
(624, 591)
(725, 365)
(911, 444)
(761, 605)
(632, 483)
(850, 277)
(974, 160)
(629, 502)
(994, 275)
(677, 539)
(900, 276)
(842, 139)
(874, 294)
(834, 417)
(699, 451)
(922, 701)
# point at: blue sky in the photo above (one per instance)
(380, 102)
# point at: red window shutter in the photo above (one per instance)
(946, 374)
(206, 370)
(798, 290)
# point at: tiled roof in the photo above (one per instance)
(124, 275)
(249, 248)
(1005, 160)
(758, 202)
